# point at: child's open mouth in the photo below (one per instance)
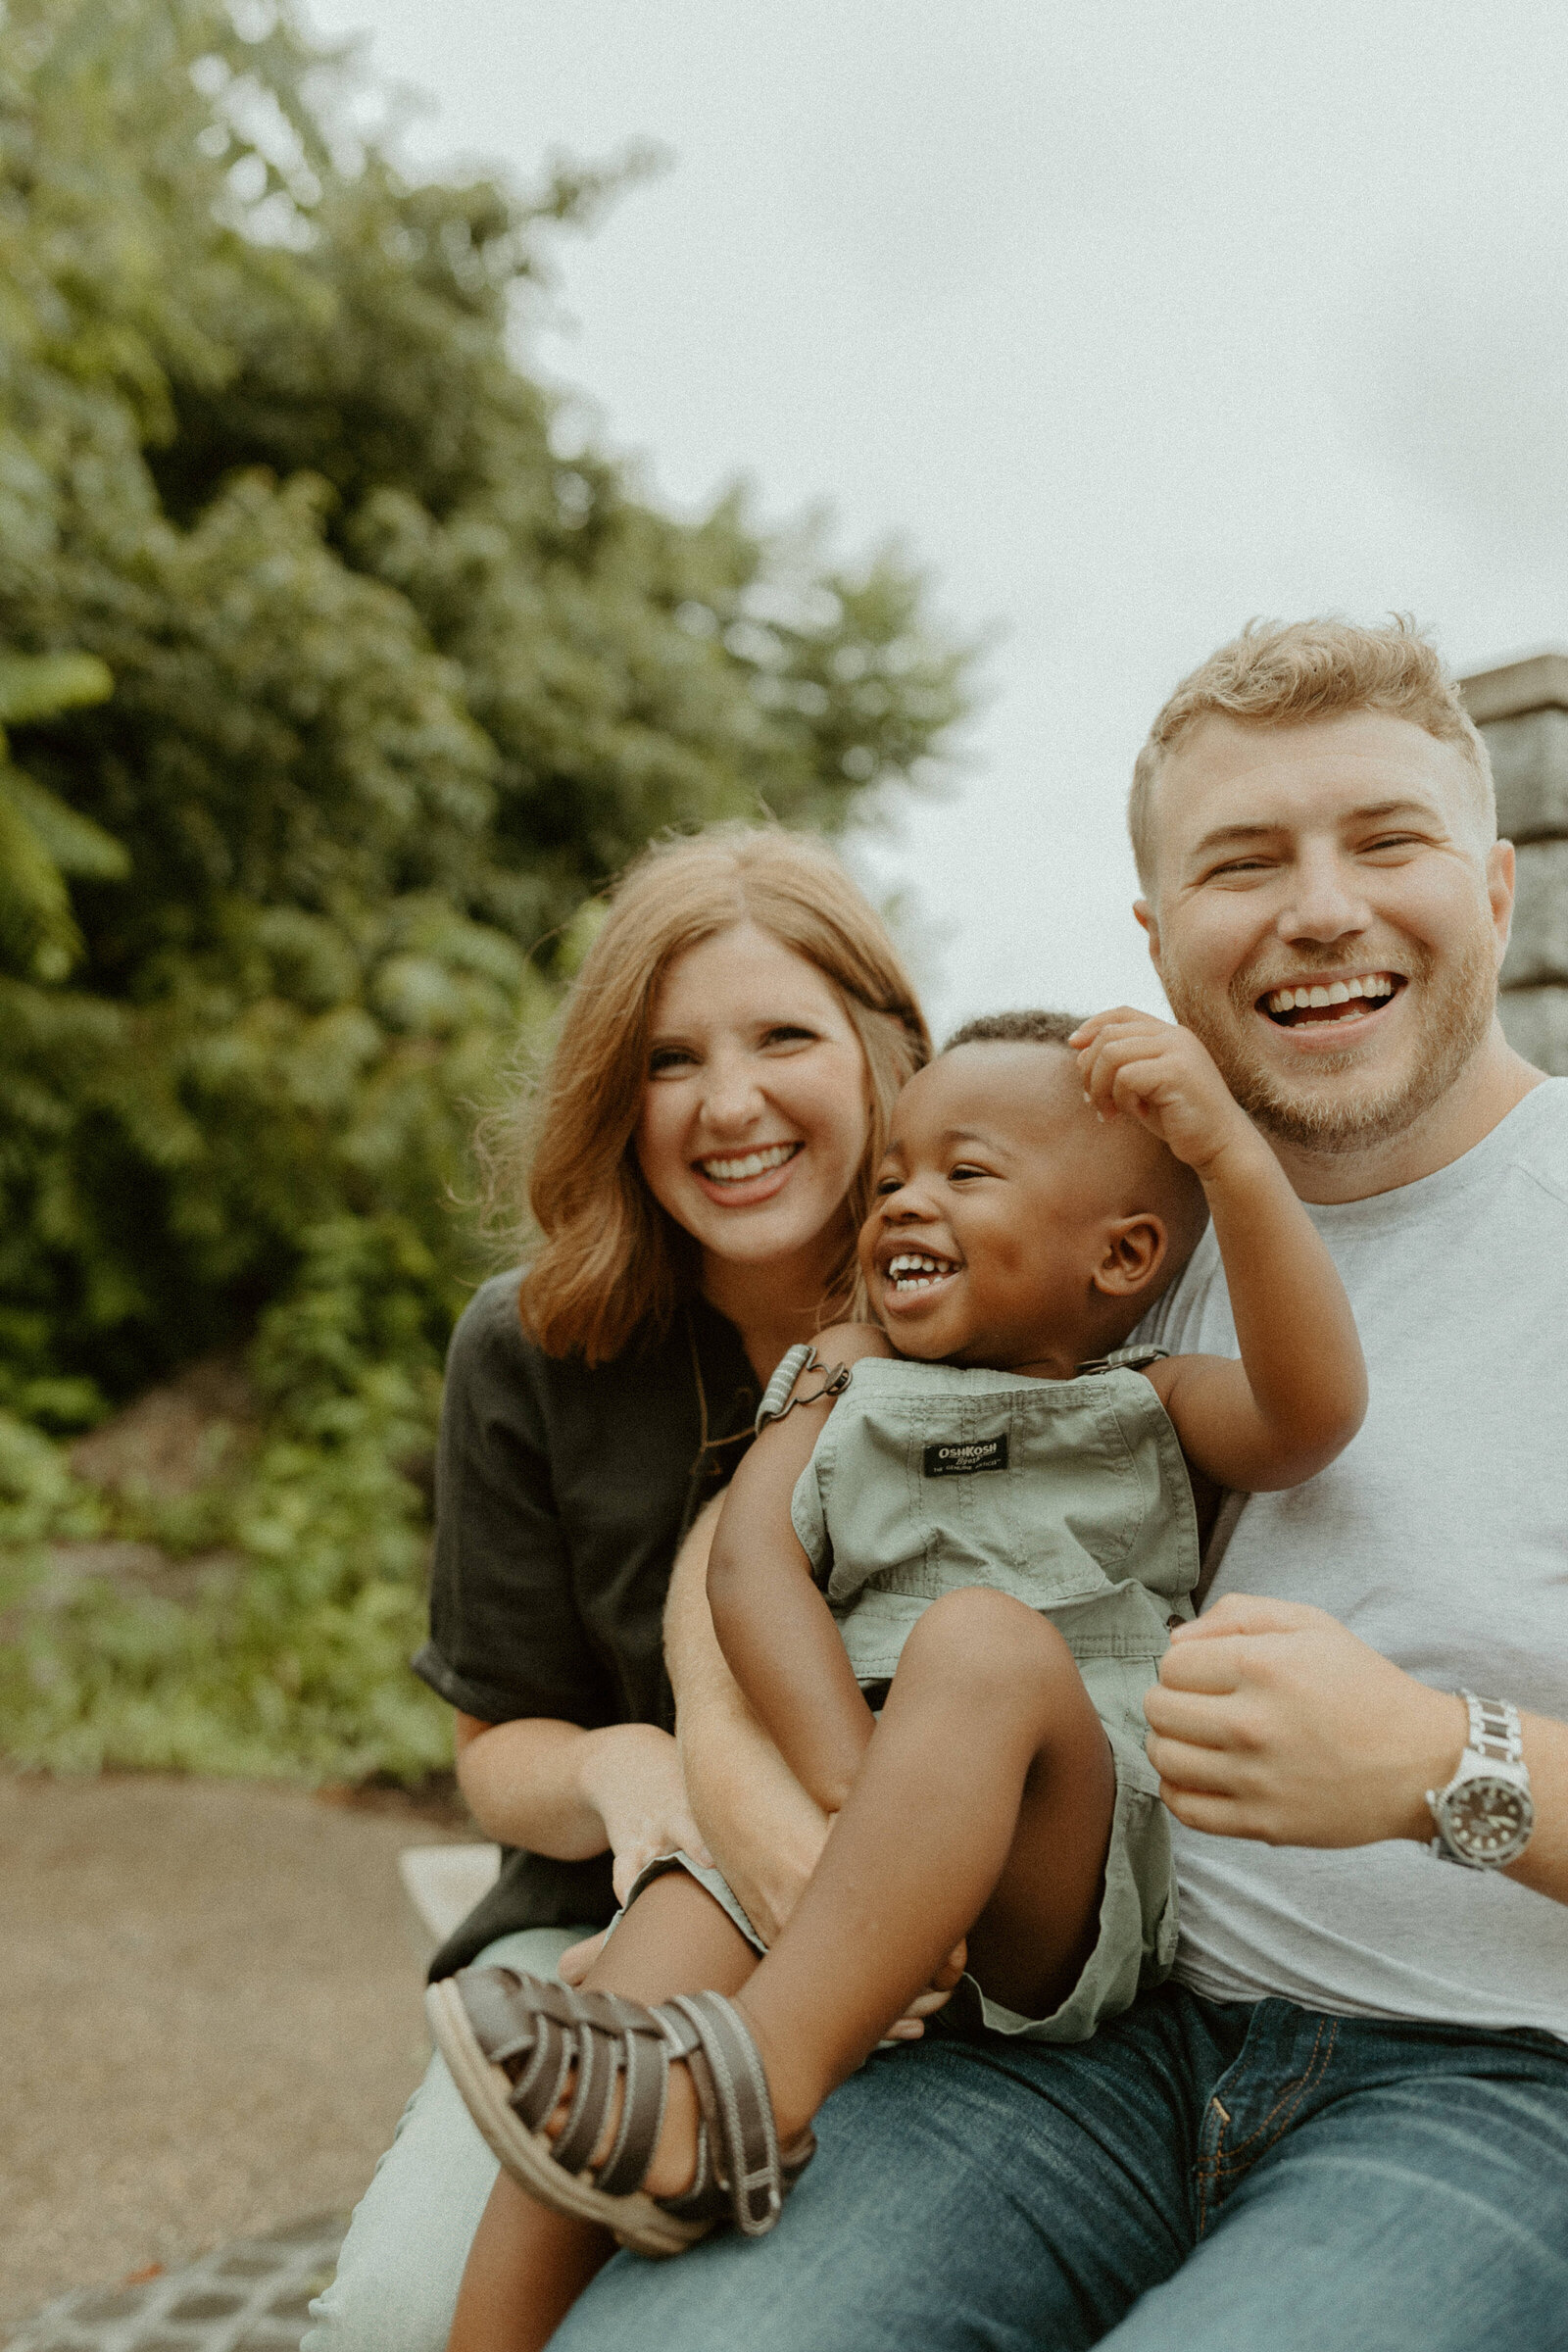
(916, 1274)
(1324, 1004)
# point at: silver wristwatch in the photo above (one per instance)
(1485, 1813)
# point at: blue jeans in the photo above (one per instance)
(397, 2276)
(1196, 2179)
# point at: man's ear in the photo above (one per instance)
(1143, 910)
(1500, 866)
(1133, 1251)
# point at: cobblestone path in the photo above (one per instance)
(210, 2020)
(248, 2296)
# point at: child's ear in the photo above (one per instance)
(1133, 1251)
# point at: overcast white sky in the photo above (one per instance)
(1131, 320)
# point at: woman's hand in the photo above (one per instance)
(630, 1773)
(768, 1912)
(769, 1833)
(562, 1791)
(769, 1873)
(786, 1889)
(780, 1882)
(937, 1994)
(768, 1881)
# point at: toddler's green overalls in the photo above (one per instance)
(1073, 1496)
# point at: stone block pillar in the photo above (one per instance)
(1522, 711)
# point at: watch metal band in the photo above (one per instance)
(1496, 1732)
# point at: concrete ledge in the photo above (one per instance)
(1538, 951)
(1538, 680)
(1535, 1022)
(443, 1882)
(1530, 766)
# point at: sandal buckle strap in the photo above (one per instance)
(748, 2140)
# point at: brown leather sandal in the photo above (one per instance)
(511, 2042)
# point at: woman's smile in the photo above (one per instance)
(744, 1179)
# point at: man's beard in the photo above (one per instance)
(1316, 1114)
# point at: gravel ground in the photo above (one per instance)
(209, 2023)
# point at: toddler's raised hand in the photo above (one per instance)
(1163, 1077)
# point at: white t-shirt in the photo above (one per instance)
(1441, 1537)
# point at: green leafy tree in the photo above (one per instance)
(41, 839)
(396, 685)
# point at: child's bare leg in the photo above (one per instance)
(983, 1807)
(527, 2264)
(525, 2269)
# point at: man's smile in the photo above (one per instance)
(1329, 1000)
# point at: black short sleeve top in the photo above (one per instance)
(562, 1495)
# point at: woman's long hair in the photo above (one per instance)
(606, 1258)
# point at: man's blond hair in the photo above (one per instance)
(1277, 674)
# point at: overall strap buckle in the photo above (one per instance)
(1125, 1360)
(792, 1366)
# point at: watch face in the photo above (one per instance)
(1487, 1820)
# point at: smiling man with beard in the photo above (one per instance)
(1343, 2121)
(1328, 904)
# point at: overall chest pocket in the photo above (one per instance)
(962, 1478)
(1043, 1497)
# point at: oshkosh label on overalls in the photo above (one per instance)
(956, 1461)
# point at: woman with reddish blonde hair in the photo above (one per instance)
(697, 1157)
(614, 1252)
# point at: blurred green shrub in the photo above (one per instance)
(334, 689)
(289, 1655)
